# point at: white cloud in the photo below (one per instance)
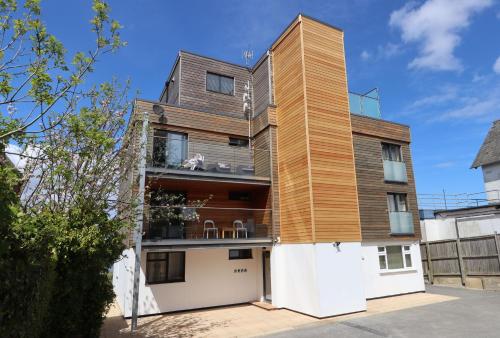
(443, 165)
(365, 55)
(435, 26)
(496, 66)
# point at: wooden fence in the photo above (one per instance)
(472, 256)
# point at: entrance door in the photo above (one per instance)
(266, 267)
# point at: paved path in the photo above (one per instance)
(475, 313)
(249, 320)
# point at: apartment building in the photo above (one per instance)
(272, 183)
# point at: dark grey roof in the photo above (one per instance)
(490, 150)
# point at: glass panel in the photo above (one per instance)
(391, 202)
(175, 266)
(381, 262)
(213, 83)
(156, 271)
(407, 248)
(381, 249)
(159, 152)
(408, 260)
(226, 85)
(355, 103)
(177, 150)
(394, 257)
(401, 200)
(395, 171)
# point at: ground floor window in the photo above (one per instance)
(165, 267)
(393, 257)
(240, 254)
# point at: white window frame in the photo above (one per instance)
(405, 250)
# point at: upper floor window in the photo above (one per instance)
(169, 148)
(392, 152)
(220, 83)
(239, 142)
(397, 202)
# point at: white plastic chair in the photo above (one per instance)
(238, 226)
(209, 225)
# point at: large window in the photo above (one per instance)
(169, 148)
(220, 83)
(397, 202)
(165, 267)
(394, 257)
(391, 152)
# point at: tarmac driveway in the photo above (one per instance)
(475, 313)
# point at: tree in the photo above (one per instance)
(61, 233)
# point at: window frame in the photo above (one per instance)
(239, 254)
(400, 150)
(220, 76)
(241, 142)
(405, 250)
(396, 204)
(166, 260)
(165, 139)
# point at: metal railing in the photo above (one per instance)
(210, 157)
(365, 104)
(447, 201)
(190, 223)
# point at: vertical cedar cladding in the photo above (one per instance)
(317, 178)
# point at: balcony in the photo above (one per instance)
(209, 159)
(401, 223)
(186, 224)
(395, 171)
(365, 104)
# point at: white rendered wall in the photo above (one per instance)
(381, 284)
(210, 281)
(444, 228)
(491, 177)
(317, 279)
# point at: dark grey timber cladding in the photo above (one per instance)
(173, 87)
(261, 86)
(193, 93)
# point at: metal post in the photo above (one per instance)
(139, 219)
(444, 197)
(463, 273)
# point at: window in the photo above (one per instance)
(394, 257)
(240, 254)
(165, 267)
(169, 148)
(239, 196)
(391, 152)
(397, 202)
(220, 83)
(239, 142)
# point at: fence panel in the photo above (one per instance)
(480, 257)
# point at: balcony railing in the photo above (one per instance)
(365, 104)
(189, 223)
(395, 171)
(209, 157)
(401, 222)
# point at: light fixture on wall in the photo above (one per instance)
(336, 245)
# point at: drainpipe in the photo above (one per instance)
(139, 219)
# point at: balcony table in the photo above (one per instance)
(224, 229)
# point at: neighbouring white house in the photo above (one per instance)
(472, 220)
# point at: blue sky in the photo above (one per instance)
(433, 61)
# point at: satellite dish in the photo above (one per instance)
(158, 109)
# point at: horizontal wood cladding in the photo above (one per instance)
(380, 128)
(372, 189)
(188, 118)
(263, 120)
(333, 177)
(260, 80)
(193, 93)
(293, 172)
